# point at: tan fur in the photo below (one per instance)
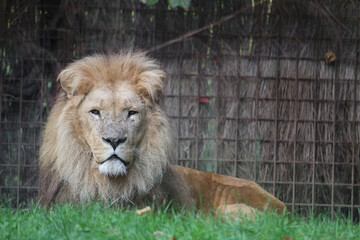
(75, 147)
(219, 192)
(67, 157)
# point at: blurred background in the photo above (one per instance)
(262, 90)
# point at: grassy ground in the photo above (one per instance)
(97, 221)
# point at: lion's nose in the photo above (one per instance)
(114, 142)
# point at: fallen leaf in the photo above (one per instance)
(160, 234)
(203, 99)
(144, 210)
(288, 238)
(330, 57)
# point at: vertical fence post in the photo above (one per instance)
(295, 127)
(20, 133)
(315, 122)
(277, 86)
(354, 120)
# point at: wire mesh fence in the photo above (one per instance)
(266, 90)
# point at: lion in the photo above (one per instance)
(107, 138)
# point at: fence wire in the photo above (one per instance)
(266, 91)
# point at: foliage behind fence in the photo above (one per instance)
(266, 90)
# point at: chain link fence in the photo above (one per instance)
(262, 90)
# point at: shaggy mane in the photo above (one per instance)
(135, 68)
(65, 169)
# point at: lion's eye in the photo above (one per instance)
(132, 113)
(95, 112)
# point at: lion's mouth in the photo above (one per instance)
(114, 166)
(115, 157)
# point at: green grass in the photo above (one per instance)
(96, 221)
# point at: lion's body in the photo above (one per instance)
(107, 138)
(211, 191)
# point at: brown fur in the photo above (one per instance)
(72, 150)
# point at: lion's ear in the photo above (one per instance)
(65, 82)
(74, 82)
(150, 84)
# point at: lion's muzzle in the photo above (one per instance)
(113, 166)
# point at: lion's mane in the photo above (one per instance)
(65, 172)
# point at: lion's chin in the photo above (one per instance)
(113, 167)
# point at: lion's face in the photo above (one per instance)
(112, 120)
(107, 135)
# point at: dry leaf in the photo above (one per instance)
(330, 57)
(160, 233)
(144, 210)
(288, 238)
